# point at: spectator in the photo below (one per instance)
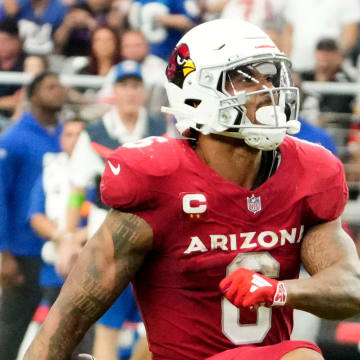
(308, 21)
(105, 51)
(133, 46)
(11, 59)
(163, 22)
(73, 38)
(126, 121)
(329, 67)
(22, 148)
(38, 20)
(33, 65)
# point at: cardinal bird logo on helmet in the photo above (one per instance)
(180, 65)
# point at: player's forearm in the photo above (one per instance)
(333, 293)
(90, 289)
(107, 263)
(56, 339)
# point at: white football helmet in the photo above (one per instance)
(210, 57)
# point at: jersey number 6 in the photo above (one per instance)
(236, 332)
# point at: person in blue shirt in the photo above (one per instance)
(38, 20)
(22, 148)
(163, 22)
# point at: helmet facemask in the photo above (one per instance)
(276, 112)
(227, 105)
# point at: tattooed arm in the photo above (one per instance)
(333, 290)
(106, 265)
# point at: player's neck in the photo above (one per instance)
(230, 158)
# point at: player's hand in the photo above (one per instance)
(246, 288)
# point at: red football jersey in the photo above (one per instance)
(205, 227)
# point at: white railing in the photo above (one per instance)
(331, 87)
(84, 81)
(91, 81)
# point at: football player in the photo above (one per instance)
(212, 228)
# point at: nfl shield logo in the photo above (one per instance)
(254, 203)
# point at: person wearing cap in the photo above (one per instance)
(126, 121)
(134, 46)
(329, 68)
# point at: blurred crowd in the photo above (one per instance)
(54, 137)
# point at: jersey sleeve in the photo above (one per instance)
(135, 171)
(329, 191)
(121, 186)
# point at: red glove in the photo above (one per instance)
(246, 288)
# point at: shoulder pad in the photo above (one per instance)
(316, 160)
(131, 171)
(323, 181)
(154, 155)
